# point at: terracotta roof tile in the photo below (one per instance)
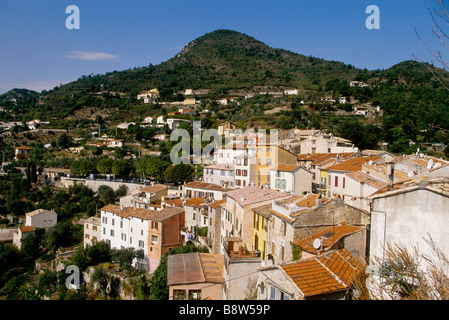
(324, 274)
(111, 208)
(153, 189)
(217, 203)
(27, 229)
(195, 202)
(205, 185)
(353, 164)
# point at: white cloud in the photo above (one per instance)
(90, 56)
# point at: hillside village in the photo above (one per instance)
(291, 219)
(298, 179)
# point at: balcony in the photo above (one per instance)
(229, 245)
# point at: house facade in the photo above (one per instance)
(292, 179)
(92, 231)
(154, 232)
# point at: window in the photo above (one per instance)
(121, 224)
(104, 230)
(153, 239)
(141, 244)
(179, 294)
(268, 161)
(344, 182)
(154, 225)
(112, 233)
(112, 221)
(123, 236)
(336, 181)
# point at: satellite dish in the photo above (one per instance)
(370, 162)
(430, 164)
(317, 243)
(410, 174)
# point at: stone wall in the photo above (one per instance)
(330, 213)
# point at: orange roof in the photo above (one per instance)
(353, 164)
(153, 189)
(287, 167)
(195, 202)
(329, 236)
(27, 229)
(111, 208)
(216, 204)
(24, 148)
(330, 272)
(174, 202)
(205, 185)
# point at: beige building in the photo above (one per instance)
(92, 231)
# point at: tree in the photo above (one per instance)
(179, 173)
(60, 235)
(104, 166)
(99, 252)
(121, 167)
(106, 194)
(64, 141)
(101, 277)
(151, 167)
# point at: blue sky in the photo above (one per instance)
(38, 52)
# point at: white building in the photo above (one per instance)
(245, 170)
(221, 174)
(209, 191)
(292, 179)
(408, 214)
(41, 218)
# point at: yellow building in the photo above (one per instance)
(261, 221)
(322, 188)
(269, 156)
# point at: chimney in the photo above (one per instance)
(318, 202)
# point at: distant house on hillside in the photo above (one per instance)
(22, 152)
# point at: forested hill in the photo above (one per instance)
(222, 58)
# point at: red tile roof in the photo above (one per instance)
(328, 273)
(353, 164)
(195, 202)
